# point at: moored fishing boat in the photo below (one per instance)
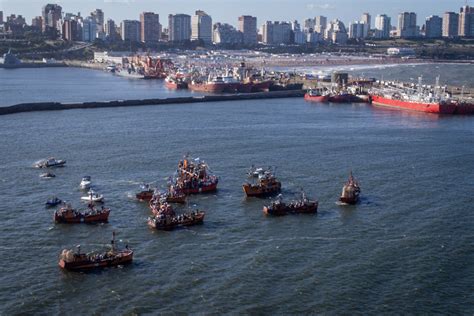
(301, 206)
(414, 98)
(316, 95)
(76, 261)
(350, 191)
(175, 83)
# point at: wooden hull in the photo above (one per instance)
(259, 191)
(102, 217)
(126, 258)
(350, 201)
(197, 220)
(144, 195)
(305, 209)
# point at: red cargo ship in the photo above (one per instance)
(438, 107)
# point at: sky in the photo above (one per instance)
(228, 10)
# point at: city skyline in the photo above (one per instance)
(228, 12)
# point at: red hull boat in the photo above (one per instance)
(68, 215)
(173, 222)
(77, 261)
(437, 107)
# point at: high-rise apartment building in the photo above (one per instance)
(276, 33)
(130, 30)
(450, 24)
(37, 23)
(248, 27)
(111, 30)
(98, 15)
(357, 30)
(366, 19)
(1, 17)
(320, 24)
(150, 31)
(179, 27)
(382, 26)
(89, 29)
(308, 25)
(433, 26)
(407, 25)
(69, 30)
(466, 21)
(201, 27)
(51, 15)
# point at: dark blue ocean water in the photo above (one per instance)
(406, 248)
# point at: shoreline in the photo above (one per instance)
(267, 63)
(58, 106)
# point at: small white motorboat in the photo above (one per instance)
(93, 197)
(47, 175)
(50, 163)
(85, 182)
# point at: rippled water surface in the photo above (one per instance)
(406, 248)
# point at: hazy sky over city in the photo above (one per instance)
(229, 10)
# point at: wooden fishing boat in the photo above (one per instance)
(301, 206)
(68, 215)
(164, 222)
(77, 261)
(266, 185)
(350, 191)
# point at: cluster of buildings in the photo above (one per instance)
(200, 27)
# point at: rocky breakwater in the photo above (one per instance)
(57, 106)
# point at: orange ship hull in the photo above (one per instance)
(259, 191)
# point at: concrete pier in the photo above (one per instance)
(57, 106)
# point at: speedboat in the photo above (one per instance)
(53, 202)
(85, 182)
(47, 175)
(50, 163)
(93, 197)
